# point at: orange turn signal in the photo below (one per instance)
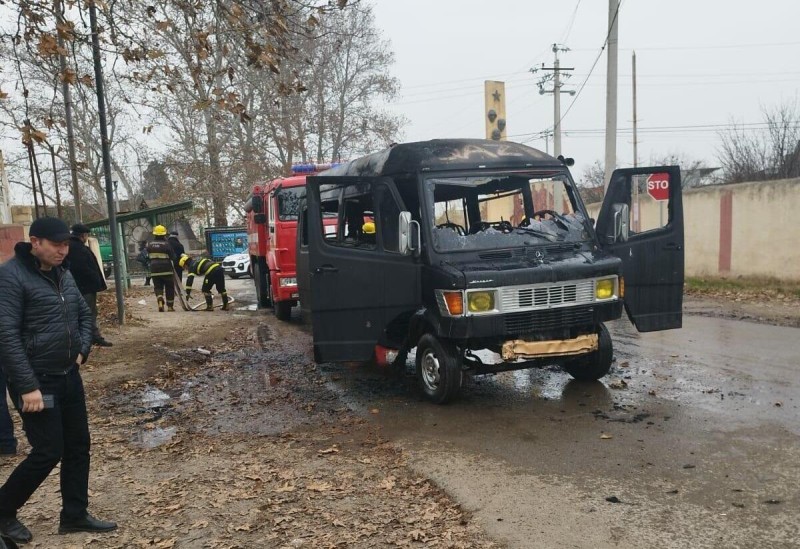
(621, 287)
(455, 302)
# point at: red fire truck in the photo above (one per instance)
(272, 211)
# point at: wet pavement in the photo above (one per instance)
(692, 440)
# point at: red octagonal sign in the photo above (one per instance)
(658, 186)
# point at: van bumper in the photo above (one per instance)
(555, 323)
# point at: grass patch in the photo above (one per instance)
(747, 286)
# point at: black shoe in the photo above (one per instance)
(14, 530)
(102, 342)
(86, 524)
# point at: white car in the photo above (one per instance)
(237, 265)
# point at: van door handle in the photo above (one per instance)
(326, 269)
(671, 246)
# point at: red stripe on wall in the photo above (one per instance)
(725, 231)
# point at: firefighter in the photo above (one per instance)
(213, 275)
(161, 259)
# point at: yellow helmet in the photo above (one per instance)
(159, 230)
(182, 261)
(368, 227)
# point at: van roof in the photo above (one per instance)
(445, 154)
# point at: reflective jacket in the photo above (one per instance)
(43, 325)
(161, 257)
(199, 267)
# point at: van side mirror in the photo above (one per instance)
(258, 204)
(410, 238)
(620, 225)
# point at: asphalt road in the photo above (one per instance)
(693, 440)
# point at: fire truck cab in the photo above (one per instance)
(272, 211)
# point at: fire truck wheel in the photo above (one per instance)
(438, 369)
(283, 309)
(594, 365)
(261, 280)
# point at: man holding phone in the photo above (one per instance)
(45, 334)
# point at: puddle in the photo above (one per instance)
(153, 438)
(155, 398)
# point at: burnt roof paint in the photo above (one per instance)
(445, 154)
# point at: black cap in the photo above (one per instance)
(80, 228)
(50, 228)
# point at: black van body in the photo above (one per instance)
(454, 246)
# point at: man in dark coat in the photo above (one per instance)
(45, 334)
(86, 271)
(178, 250)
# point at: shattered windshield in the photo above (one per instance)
(478, 212)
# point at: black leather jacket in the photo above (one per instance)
(43, 326)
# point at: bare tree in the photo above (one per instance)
(773, 152)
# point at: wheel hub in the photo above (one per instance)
(430, 370)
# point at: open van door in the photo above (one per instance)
(359, 278)
(641, 222)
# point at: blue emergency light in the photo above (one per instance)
(312, 167)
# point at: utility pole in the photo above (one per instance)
(611, 91)
(556, 90)
(112, 212)
(635, 141)
(635, 148)
(73, 166)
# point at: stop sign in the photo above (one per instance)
(658, 186)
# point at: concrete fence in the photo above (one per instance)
(746, 229)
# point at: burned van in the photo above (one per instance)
(483, 257)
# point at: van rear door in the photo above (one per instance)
(641, 222)
(358, 281)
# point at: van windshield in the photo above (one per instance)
(478, 212)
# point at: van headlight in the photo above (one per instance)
(604, 288)
(480, 302)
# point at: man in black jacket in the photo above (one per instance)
(87, 274)
(45, 334)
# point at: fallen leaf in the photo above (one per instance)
(332, 450)
(319, 486)
(606, 436)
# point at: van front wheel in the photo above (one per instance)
(438, 369)
(593, 366)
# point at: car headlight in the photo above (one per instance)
(289, 281)
(480, 302)
(604, 288)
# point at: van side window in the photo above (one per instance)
(355, 222)
(645, 212)
(389, 220)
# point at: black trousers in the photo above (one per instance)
(214, 278)
(55, 434)
(91, 301)
(161, 283)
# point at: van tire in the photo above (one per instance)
(439, 371)
(594, 365)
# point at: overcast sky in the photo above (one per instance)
(700, 65)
